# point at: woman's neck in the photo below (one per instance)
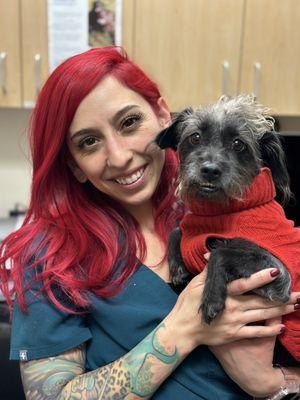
(155, 248)
(144, 216)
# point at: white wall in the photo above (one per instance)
(14, 161)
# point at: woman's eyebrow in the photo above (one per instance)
(85, 131)
(114, 120)
(121, 112)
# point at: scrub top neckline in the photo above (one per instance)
(157, 277)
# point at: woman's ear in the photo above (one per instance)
(76, 171)
(163, 113)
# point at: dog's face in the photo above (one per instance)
(218, 159)
(222, 148)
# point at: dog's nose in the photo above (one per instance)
(210, 172)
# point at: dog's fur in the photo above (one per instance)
(222, 148)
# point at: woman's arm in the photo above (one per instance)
(135, 376)
(139, 373)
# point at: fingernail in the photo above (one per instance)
(282, 329)
(275, 272)
(298, 300)
(297, 306)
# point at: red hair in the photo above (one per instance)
(72, 230)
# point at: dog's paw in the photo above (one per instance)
(180, 276)
(211, 310)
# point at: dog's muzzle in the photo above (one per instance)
(210, 172)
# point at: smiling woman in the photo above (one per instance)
(109, 140)
(94, 316)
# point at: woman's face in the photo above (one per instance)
(108, 140)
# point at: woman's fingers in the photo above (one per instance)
(253, 302)
(260, 278)
(266, 313)
(273, 321)
(258, 331)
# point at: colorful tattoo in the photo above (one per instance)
(148, 360)
(137, 375)
(45, 378)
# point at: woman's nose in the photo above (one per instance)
(118, 153)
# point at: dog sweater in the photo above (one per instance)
(257, 218)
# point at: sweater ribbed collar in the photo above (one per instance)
(261, 191)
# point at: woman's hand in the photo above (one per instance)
(249, 362)
(189, 330)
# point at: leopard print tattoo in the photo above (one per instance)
(110, 382)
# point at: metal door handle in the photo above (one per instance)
(225, 77)
(3, 58)
(257, 69)
(37, 72)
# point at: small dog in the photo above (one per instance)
(231, 160)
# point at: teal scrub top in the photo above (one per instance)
(111, 329)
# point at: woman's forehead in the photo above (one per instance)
(105, 101)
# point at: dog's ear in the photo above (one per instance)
(274, 158)
(170, 136)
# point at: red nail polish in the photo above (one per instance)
(297, 306)
(275, 272)
(282, 329)
(298, 300)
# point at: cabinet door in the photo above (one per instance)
(128, 9)
(10, 68)
(183, 44)
(34, 48)
(272, 39)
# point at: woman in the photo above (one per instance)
(102, 321)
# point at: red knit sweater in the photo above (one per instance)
(258, 218)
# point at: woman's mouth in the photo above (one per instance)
(130, 180)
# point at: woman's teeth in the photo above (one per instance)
(131, 179)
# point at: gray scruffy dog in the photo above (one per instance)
(226, 153)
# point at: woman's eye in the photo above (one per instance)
(87, 142)
(130, 121)
(238, 145)
(195, 138)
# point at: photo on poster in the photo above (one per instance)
(102, 23)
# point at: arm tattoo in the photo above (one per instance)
(137, 375)
(45, 378)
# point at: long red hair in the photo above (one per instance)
(73, 234)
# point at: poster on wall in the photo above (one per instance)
(104, 23)
(75, 26)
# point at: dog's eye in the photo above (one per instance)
(194, 138)
(238, 145)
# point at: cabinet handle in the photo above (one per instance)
(37, 72)
(3, 72)
(257, 69)
(225, 77)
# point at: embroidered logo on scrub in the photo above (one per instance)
(23, 355)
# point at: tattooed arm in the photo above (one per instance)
(139, 373)
(134, 376)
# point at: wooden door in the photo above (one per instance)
(128, 25)
(10, 62)
(183, 44)
(35, 68)
(272, 40)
